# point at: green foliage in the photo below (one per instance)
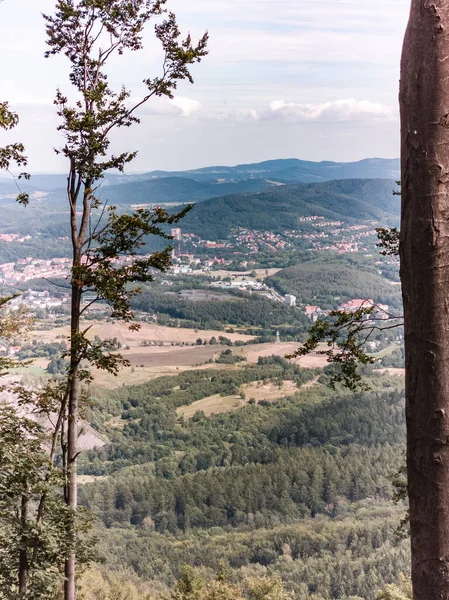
(227, 358)
(324, 559)
(388, 241)
(28, 543)
(149, 412)
(266, 588)
(345, 335)
(280, 208)
(123, 584)
(191, 586)
(298, 488)
(57, 366)
(401, 591)
(12, 154)
(252, 310)
(332, 279)
(276, 453)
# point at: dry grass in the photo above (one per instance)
(150, 362)
(212, 405)
(256, 389)
(310, 361)
(147, 333)
(137, 375)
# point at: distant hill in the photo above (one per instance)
(280, 208)
(173, 190)
(276, 209)
(8, 186)
(291, 170)
(177, 190)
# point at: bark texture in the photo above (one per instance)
(71, 492)
(424, 249)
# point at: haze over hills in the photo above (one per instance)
(293, 169)
(173, 190)
(264, 205)
(281, 170)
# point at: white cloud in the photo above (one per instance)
(186, 105)
(340, 110)
(302, 51)
(329, 112)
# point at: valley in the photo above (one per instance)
(214, 448)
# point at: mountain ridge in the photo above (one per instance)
(284, 170)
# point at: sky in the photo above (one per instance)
(311, 79)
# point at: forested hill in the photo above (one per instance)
(177, 189)
(172, 190)
(327, 277)
(280, 208)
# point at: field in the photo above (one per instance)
(254, 390)
(148, 333)
(260, 273)
(156, 350)
(150, 362)
(310, 361)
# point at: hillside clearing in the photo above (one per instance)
(220, 404)
(310, 361)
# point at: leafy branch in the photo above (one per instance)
(346, 333)
(13, 154)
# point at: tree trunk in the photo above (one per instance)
(424, 100)
(23, 552)
(72, 439)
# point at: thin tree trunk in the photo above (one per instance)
(424, 100)
(23, 554)
(72, 438)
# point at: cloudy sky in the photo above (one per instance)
(312, 79)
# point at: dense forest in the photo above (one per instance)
(280, 208)
(253, 311)
(300, 487)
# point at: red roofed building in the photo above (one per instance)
(356, 304)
